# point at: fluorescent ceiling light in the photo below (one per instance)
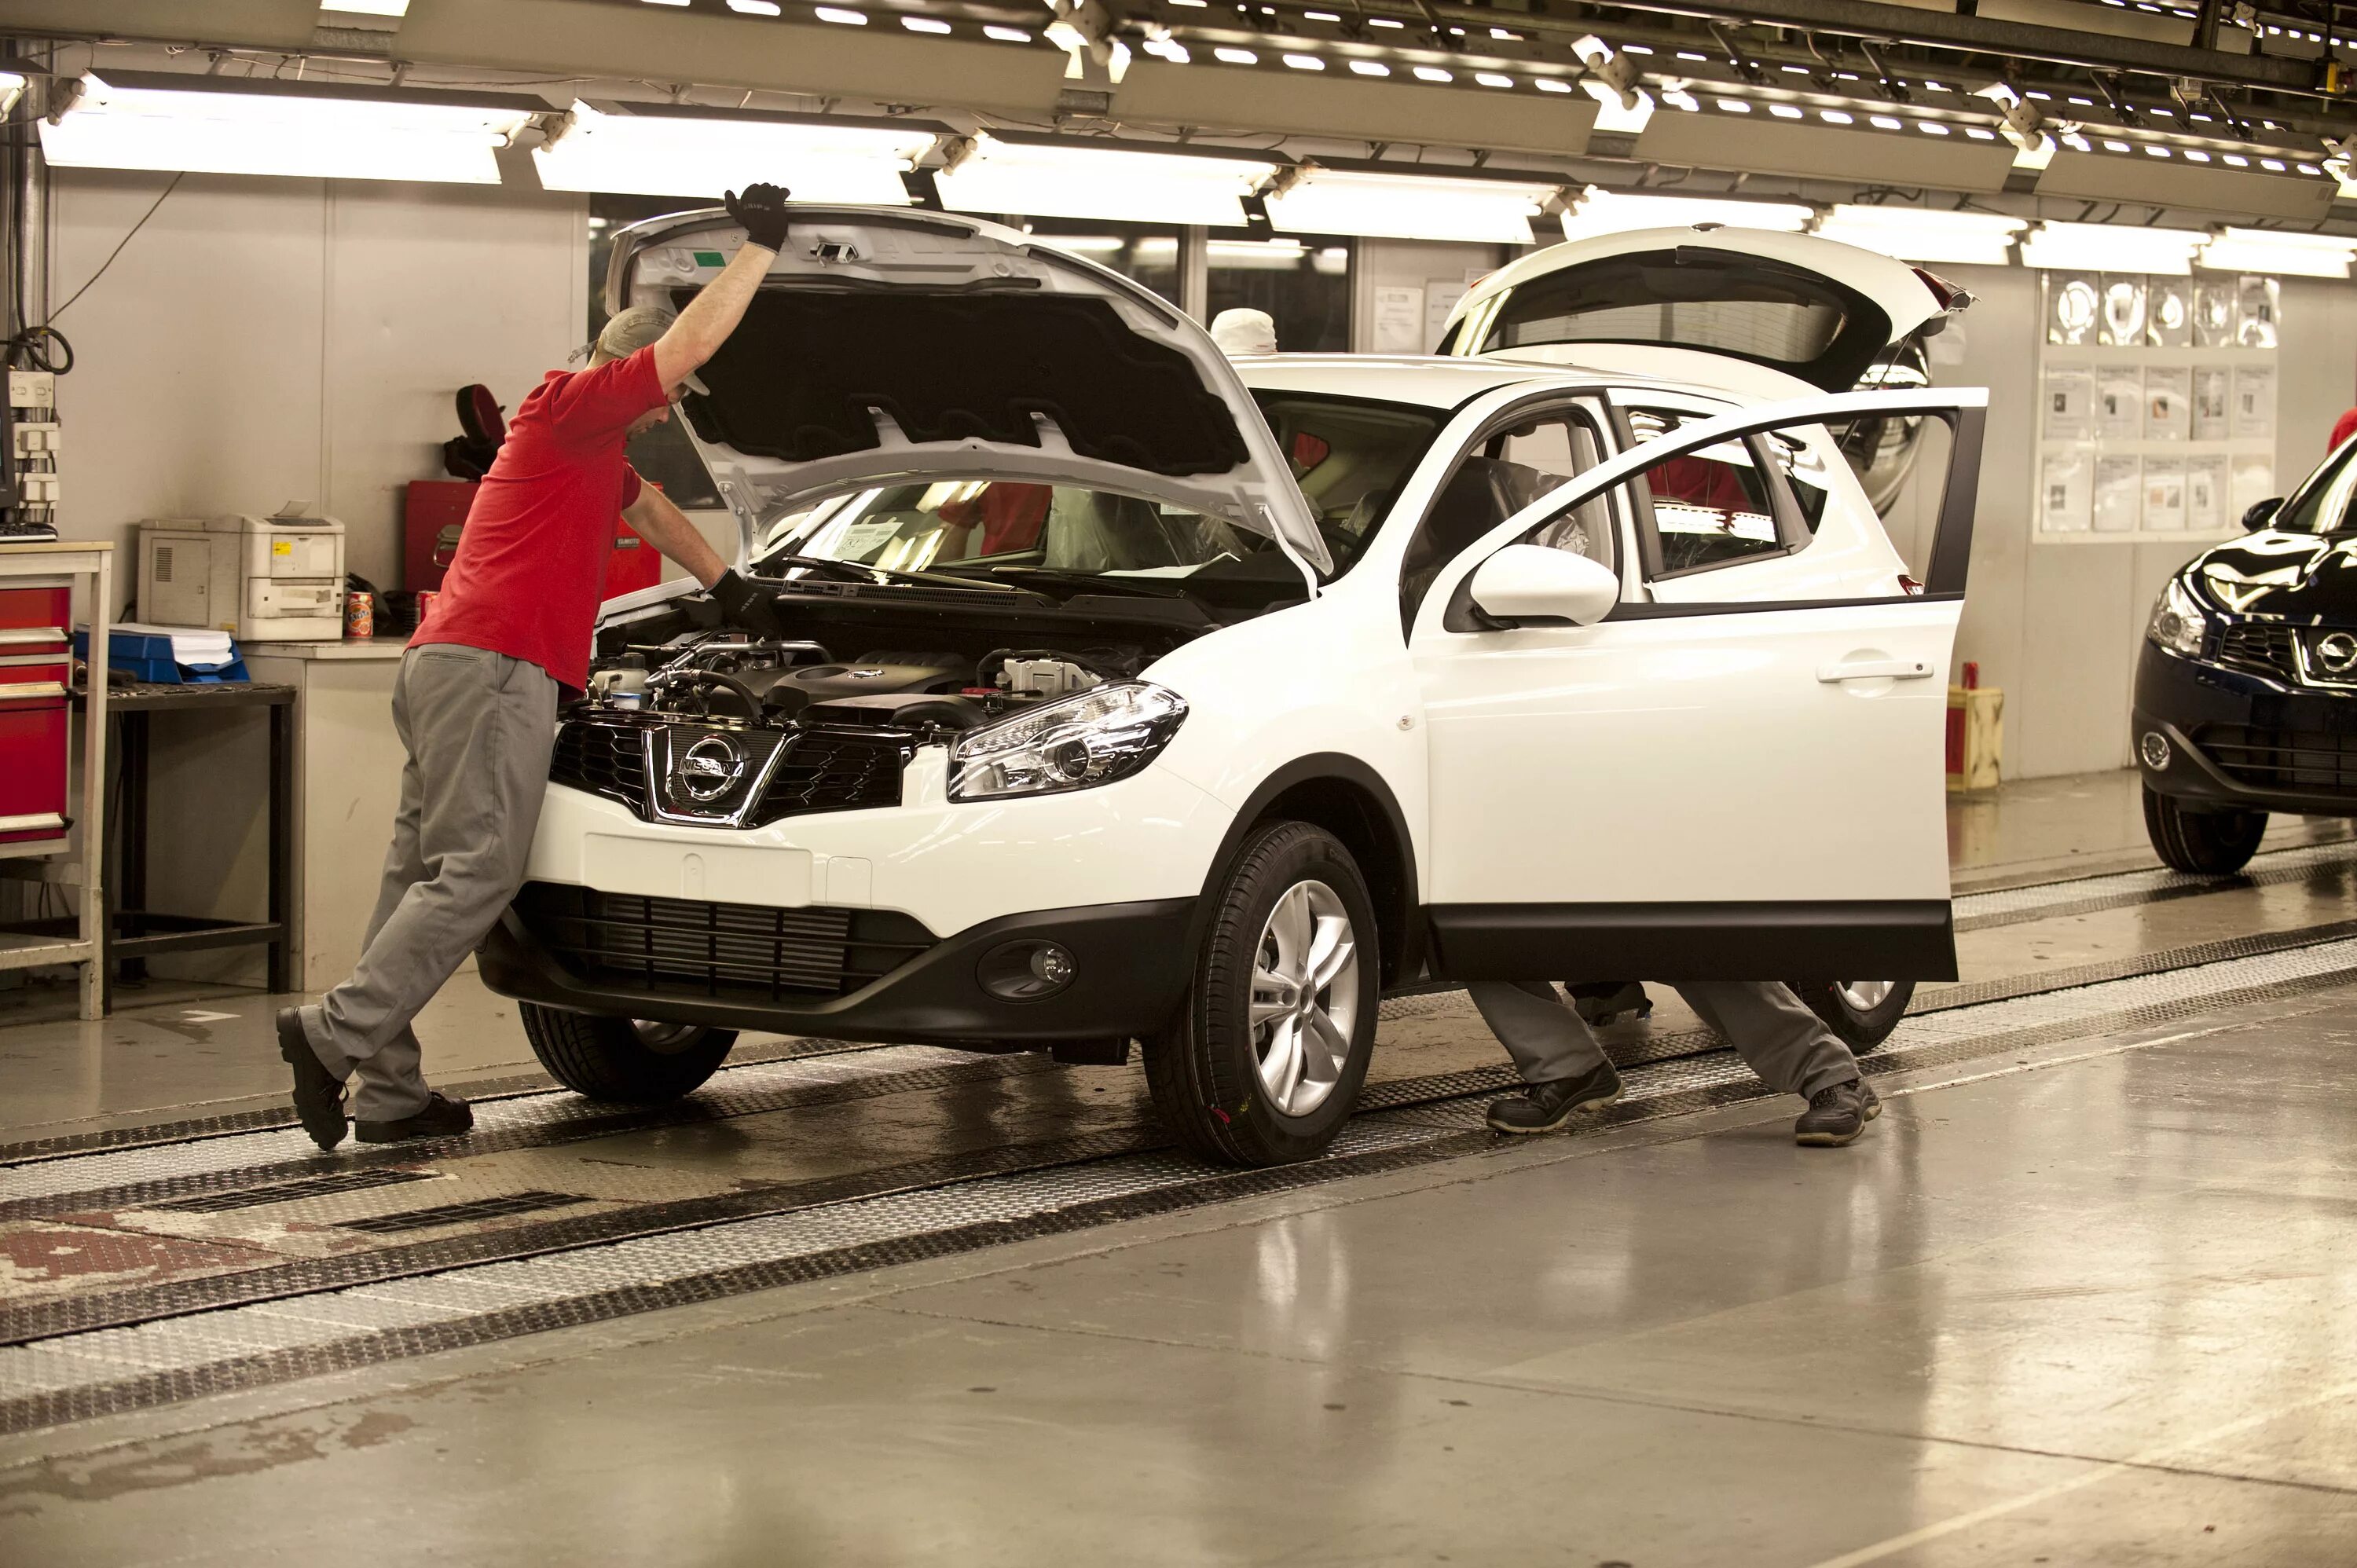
(658, 154)
(1914, 234)
(1258, 256)
(1410, 207)
(366, 8)
(151, 121)
(1110, 184)
(1609, 212)
(2110, 248)
(12, 86)
(2268, 251)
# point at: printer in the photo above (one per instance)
(261, 579)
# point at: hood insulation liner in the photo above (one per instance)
(796, 380)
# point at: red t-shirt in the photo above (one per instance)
(531, 566)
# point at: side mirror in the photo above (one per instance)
(1531, 582)
(2262, 513)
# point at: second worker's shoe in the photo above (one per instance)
(1600, 1003)
(441, 1118)
(319, 1098)
(1544, 1107)
(1837, 1114)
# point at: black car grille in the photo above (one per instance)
(816, 770)
(684, 947)
(2260, 647)
(2309, 761)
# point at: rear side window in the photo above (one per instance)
(1710, 507)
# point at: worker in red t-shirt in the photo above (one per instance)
(477, 696)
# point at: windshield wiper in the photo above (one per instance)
(853, 571)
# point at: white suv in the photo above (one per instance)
(1132, 694)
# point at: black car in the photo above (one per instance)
(2246, 690)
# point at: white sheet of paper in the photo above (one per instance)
(2068, 413)
(1399, 320)
(1440, 297)
(2118, 500)
(2168, 402)
(2254, 403)
(2205, 494)
(862, 540)
(2066, 492)
(2119, 402)
(2163, 495)
(2212, 395)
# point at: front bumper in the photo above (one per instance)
(1132, 963)
(2244, 742)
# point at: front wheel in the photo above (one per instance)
(627, 1061)
(1264, 1062)
(2204, 843)
(1860, 1013)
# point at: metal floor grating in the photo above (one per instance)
(2044, 900)
(77, 1375)
(505, 1206)
(330, 1185)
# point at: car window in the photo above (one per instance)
(1710, 507)
(1560, 449)
(1506, 468)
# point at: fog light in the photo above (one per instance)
(1026, 971)
(2154, 750)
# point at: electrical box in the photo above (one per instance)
(261, 579)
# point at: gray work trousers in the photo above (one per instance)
(1788, 1045)
(479, 728)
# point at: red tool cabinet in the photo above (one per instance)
(35, 670)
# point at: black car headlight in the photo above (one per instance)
(2179, 623)
(1093, 739)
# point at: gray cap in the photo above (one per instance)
(630, 331)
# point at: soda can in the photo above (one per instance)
(359, 614)
(425, 597)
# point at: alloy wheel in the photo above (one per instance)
(1865, 995)
(1305, 997)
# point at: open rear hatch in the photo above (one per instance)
(1824, 312)
(888, 345)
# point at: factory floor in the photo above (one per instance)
(2085, 1294)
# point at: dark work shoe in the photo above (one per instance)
(319, 1098)
(1837, 1114)
(1602, 1002)
(441, 1118)
(1544, 1107)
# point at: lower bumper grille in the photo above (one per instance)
(685, 946)
(2308, 762)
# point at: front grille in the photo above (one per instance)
(2306, 760)
(816, 770)
(2260, 648)
(685, 946)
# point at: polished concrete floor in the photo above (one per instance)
(2092, 1301)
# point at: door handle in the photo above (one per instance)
(1875, 670)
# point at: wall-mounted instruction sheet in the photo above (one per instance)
(2156, 404)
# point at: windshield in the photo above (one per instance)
(2320, 505)
(1349, 455)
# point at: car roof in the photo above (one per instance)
(1433, 380)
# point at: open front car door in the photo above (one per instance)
(1720, 781)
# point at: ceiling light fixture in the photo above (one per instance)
(662, 150)
(1409, 206)
(1601, 212)
(1106, 184)
(1920, 234)
(2274, 250)
(2111, 247)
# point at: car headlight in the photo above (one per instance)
(2178, 622)
(1093, 739)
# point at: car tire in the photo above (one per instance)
(2202, 843)
(1860, 1013)
(624, 1062)
(1277, 1091)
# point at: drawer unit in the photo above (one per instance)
(35, 618)
(34, 728)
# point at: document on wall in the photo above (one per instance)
(2254, 403)
(2254, 481)
(2163, 495)
(1440, 297)
(2119, 402)
(1399, 320)
(2066, 493)
(2205, 495)
(2212, 395)
(2119, 498)
(2069, 408)
(2257, 319)
(2168, 402)
(2169, 313)
(2124, 302)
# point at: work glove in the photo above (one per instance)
(747, 608)
(763, 211)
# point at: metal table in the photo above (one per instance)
(133, 931)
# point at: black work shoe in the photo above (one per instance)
(319, 1098)
(1837, 1114)
(1544, 1107)
(1602, 1003)
(441, 1118)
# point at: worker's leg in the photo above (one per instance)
(390, 1084)
(1545, 1038)
(1788, 1045)
(481, 726)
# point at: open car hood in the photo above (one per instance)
(1817, 310)
(888, 345)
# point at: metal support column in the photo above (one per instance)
(1195, 273)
